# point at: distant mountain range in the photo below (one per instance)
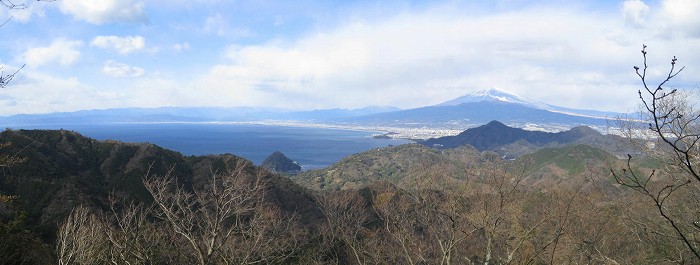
(191, 114)
(495, 95)
(483, 106)
(490, 94)
(470, 110)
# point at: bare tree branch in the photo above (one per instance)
(6, 79)
(210, 217)
(80, 238)
(674, 123)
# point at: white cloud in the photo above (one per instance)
(561, 55)
(218, 25)
(181, 46)
(670, 19)
(105, 11)
(415, 59)
(635, 12)
(215, 23)
(42, 93)
(682, 16)
(122, 45)
(61, 51)
(116, 69)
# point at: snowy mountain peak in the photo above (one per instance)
(491, 94)
(496, 95)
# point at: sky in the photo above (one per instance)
(303, 54)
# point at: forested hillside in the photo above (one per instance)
(69, 199)
(56, 172)
(513, 142)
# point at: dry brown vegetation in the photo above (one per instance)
(491, 217)
(224, 220)
(493, 213)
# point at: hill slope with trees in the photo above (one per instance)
(59, 171)
(71, 199)
(513, 142)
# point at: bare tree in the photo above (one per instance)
(6, 78)
(132, 238)
(498, 214)
(6, 160)
(672, 191)
(221, 221)
(270, 237)
(442, 214)
(81, 239)
(425, 217)
(346, 217)
(208, 218)
(490, 217)
(398, 211)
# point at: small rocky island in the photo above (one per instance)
(278, 162)
(385, 136)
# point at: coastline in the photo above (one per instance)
(377, 131)
(402, 133)
(391, 132)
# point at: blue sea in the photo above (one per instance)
(310, 146)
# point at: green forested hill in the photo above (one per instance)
(393, 164)
(408, 163)
(62, 169)
(569, 160)
(513, 142)
(390, 205)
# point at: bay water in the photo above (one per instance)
(312, 147)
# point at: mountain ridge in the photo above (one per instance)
(512, 142)
(413, 163)
(474, 108)
(493, 94)
(63, 169)
(472, 114)
(190, 114)
(481, 106)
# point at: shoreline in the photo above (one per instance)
(377, 131)
(402, 133)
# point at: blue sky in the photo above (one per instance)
(96, 54)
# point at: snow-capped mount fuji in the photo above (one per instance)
(492, 94)
(497, 95)
(482, 106)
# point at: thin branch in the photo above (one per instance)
(5, 79)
